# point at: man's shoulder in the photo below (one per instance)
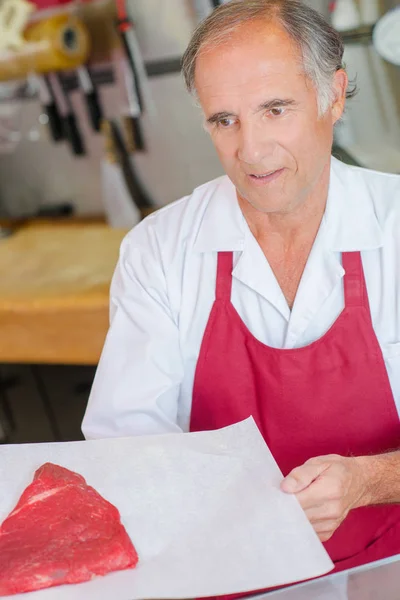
(188, 207)
(380, 180)
(381, 190)
(178, 222)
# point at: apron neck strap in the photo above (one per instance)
(355, 289)
(224, 276)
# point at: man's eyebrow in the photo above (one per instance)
(218, 116)
(276, 102)
(264, 106)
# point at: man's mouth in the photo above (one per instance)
(265, 177)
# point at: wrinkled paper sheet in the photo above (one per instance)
(204, 511)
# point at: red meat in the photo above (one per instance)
(61, 531)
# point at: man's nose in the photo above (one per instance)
(253, 143)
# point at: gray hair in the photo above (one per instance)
(320, 45)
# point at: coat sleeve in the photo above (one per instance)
(137, 383)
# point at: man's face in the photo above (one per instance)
(262, 114)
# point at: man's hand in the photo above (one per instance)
(328, 487)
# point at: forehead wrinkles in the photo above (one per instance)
(246, 95)
(253, 84)
(227, 68)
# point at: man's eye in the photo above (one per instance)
(225, 122)
(277, 111)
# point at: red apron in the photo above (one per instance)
(330, 397)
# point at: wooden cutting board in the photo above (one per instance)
(54, 292)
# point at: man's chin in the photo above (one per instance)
(262, 204)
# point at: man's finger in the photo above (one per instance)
(301, 477)
(325, 526)
(325, 537)
(315, 513)
(324, 492)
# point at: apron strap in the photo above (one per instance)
(355, 289)
(224, 276)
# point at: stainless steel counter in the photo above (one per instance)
(376, 581)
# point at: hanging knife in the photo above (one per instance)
(134, 76)
(116, 146)
(87, 85)
(49, 106)
(70, 124)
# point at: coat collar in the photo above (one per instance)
(350, 222)
(223, 225)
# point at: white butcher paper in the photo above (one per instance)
(204, 511)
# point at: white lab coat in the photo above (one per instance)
(164, 287)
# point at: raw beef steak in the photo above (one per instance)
(61, 531)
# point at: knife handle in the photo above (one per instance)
(74, 135)
(55, 122)
(94, 109)
(134, 134)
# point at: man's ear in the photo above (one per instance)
(340, 83)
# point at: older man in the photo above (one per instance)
(273, 291)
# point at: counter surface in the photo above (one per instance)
(54, 291)
(376, 581)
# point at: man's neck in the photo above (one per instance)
(286, 239)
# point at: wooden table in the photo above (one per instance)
(54, 292)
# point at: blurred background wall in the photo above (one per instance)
(180, 155)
